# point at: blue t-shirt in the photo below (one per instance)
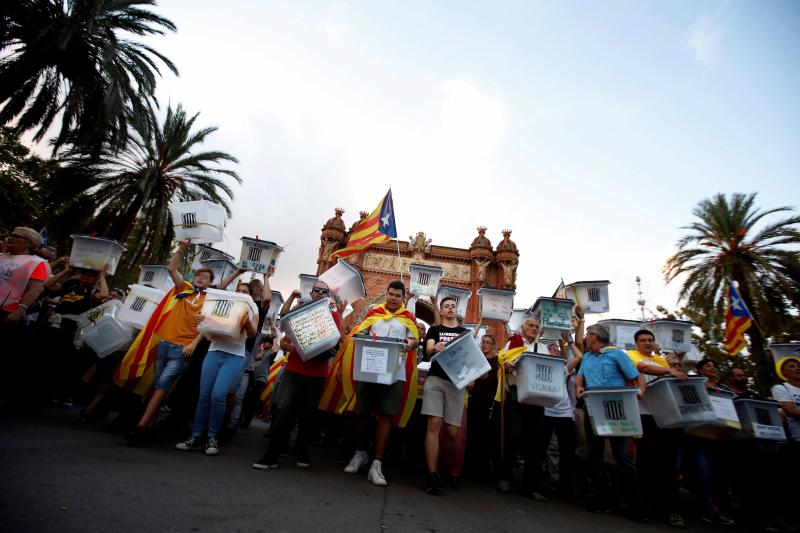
(608, 367)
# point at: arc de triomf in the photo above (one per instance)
(471, 268)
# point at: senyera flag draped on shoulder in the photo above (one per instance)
(737, 320)
(378, 227)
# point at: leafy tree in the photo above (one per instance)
(20, 170)
(72, 59)
(731, 239)
(131, 190)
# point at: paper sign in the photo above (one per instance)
(762, 431)
(555, 314)
(313, 326)
(724, 408)
(496, 305)
(374, 360)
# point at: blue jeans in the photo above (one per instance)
(170, 364)
(221, 371)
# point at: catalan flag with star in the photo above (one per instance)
(737, 320)
(378, 227)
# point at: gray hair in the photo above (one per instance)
(600, 331)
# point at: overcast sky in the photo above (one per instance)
(589, 129)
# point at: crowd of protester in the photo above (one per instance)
(486, 435)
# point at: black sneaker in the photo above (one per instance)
(265, 463)
(139, 436)
(450, 481)
(302, 459)
(434, 485)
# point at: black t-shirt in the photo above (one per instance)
(75, 298)
(439, 333)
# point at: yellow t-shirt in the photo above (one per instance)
(179, 327)
(654, 359)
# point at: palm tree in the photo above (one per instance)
(72, 59)
(732, 240)
(132, 189)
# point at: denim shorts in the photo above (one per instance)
(170, 364)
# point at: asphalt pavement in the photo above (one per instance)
(60, 477)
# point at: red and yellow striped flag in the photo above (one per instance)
(272, 377)
(378, 227)
(737, 320)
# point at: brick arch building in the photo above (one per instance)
(471, 268)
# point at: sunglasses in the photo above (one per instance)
(15, 236)
(320, 291)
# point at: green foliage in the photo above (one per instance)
(73, 61)
(732, 239)
(130, 191)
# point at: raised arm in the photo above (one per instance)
(174, 261)
(477, 328)
(54, 283)
(287, 305)
(266, 294)
(579, 329)
(229, 278)
(102, 285)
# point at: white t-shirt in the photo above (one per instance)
(230, 344)
(789, 393)
(395, 329)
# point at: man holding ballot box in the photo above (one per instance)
(391, 403)
(299, 393)
(442, 400)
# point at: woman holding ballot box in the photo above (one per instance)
(222, 369)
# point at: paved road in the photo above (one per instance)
(55, 476)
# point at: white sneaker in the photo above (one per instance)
(375, 475)
(358, 461)
(187, 445)
(212, 447)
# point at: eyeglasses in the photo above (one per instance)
(15, 236)
(319, 290)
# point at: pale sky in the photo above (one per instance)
(589, 129)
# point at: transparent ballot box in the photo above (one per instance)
(461, 296)
(93, 253)
(424, 279)
(760, 419)
(223, 312)
(107, 335)
(140, 304)
(462, 360)
(541, 379)
(311, 328)
(156, 276)
(726, 420)
(592, 296)
(307, 282)
(496, 304)
(614, 412)
(200, 221)
(554, 316)
(679, 404)
(377, 359)
(259, 256)
(204, 253)
(345, 281)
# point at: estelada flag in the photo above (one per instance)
(135, 372)
(378, 227)
(339, 394)
(275, 370)
(737, 320)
